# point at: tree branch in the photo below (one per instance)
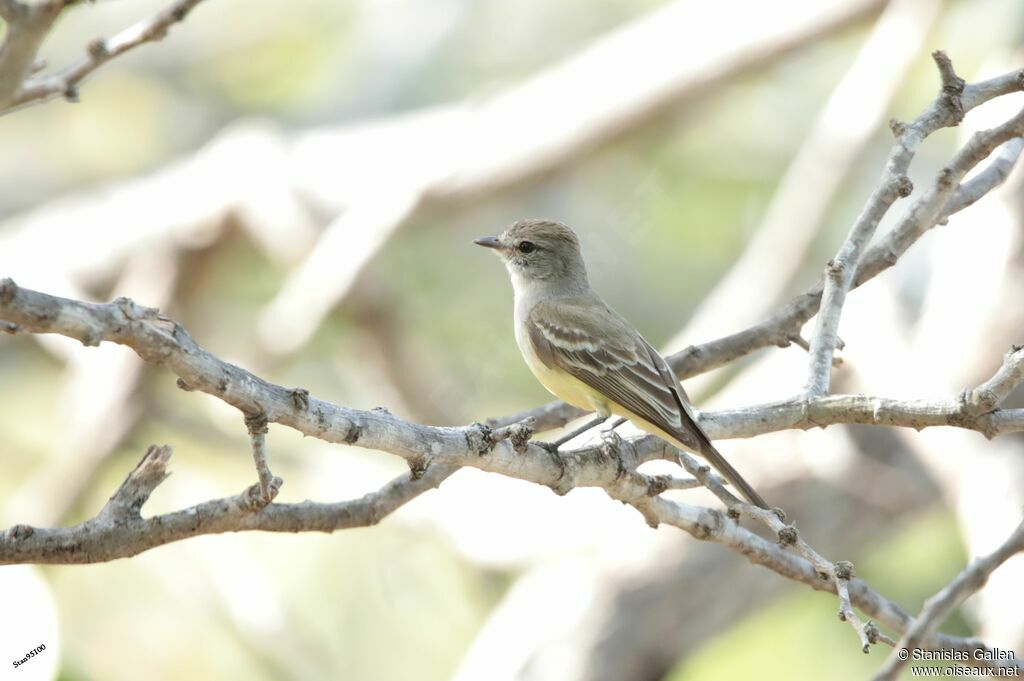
(712, 525)
(938, 607)
(804, 193)
(433, 453)
(119, 531)
(65, 82)
(781, 328)
(946, 110)
(28, 23)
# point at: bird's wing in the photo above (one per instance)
(586, 338)
(590, 341)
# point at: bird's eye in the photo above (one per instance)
(526, 247)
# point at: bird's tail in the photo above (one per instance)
(715, 458)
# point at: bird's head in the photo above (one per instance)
(539, 250)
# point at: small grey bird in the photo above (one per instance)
(585, 353)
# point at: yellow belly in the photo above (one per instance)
(569, 388)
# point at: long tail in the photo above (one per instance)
(715, 458)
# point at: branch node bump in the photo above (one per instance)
(418, 467)
(788, 536)
(71, 94)
(834, 268)
(944, 180)
(259, 497)
(183, 384)
(381, 410)
(97, 48)
(897, 127)
(257, 423)
(903, 186)
(844, 570)
(656, 484)
(7, 290)
(300, 398)
(132, 310)
(518, 433)
(479, 439)
(21, 531)
(8, 327)
(352, 433)
(871, 632)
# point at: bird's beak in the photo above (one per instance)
(491, 242)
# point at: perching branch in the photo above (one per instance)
(160, 340)
(432, 452)
(29, 24)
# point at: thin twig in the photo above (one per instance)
(938, 607)
(841, 270)
(119, 530)
(779, 329)
(66, 81)
(269, 484)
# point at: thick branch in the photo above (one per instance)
(27, 26)
(432, 452)
(160, 340)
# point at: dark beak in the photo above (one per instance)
(490, 242)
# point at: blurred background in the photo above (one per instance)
(298, 183)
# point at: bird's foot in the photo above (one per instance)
(552, 449)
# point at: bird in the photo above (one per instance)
(587, 354)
